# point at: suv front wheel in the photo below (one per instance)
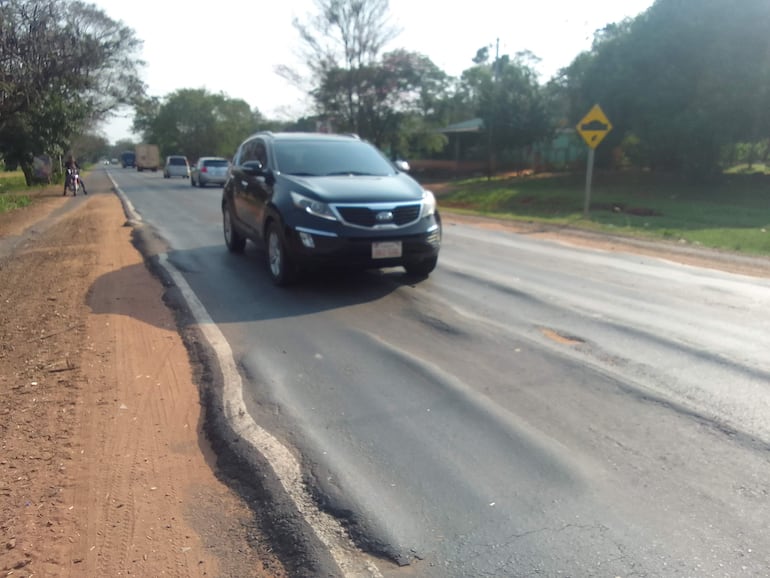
(282, 270)
(235, 243)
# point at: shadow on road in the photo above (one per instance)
(237, 288)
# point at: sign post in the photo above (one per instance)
(593, 128)
(589, 177)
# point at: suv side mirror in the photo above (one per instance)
(253, 168)
(402, 165)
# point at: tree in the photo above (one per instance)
(399, 86)
(508, 98)
(90, 147)
(122, 145)
(686, 78)
(564, 93)
(54, 82)
(340, 44)
(195, 123)
(146, 110)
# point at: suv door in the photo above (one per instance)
(240, 184)
(251, 191)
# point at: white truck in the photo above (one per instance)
(147, 157)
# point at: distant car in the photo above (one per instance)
(176, 166)
(208, 171)
(317, 200)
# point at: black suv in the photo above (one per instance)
(321, 199)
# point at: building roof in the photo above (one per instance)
(472, 125)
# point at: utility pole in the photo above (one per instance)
(495, 67)
(497, 58)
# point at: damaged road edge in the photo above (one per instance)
(311, 542)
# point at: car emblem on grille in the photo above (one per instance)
(384, 216)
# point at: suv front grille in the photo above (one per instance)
(366, 216)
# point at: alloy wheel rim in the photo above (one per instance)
(227, 227)
(274, 249)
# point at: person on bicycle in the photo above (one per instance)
(71, 167)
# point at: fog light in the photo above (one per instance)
(307, 240)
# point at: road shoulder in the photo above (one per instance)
(105, 470)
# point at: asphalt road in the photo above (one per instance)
(532, 408)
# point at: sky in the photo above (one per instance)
(233, 46)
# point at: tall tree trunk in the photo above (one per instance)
(29, 175)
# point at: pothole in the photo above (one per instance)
(561, 337)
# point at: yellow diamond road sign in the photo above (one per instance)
(594, 127)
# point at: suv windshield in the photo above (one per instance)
(329, 157)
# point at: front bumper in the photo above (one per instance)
(313, 247)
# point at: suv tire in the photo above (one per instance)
(233, 239)
(280, 266)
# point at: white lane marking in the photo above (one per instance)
(128, 206)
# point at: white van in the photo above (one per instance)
(176, 166)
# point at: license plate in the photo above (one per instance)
(386, 249)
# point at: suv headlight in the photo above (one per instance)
(428, 204)
(312, 206)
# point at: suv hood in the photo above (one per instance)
(351, 189)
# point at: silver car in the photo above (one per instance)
(176, 166)
(209, 170)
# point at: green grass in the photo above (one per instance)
(10, 201)
(12, 181)
(11, 185)
(756, 169)
(733, 214)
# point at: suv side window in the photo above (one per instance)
(253, 150)
(261, 151)
(248, 152)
